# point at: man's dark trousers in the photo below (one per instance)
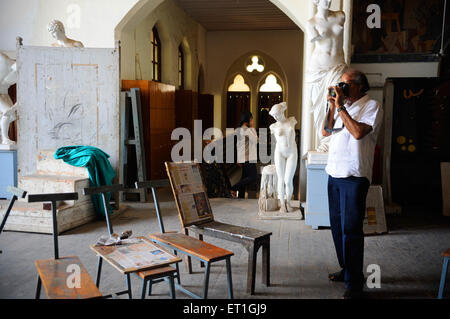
(347, 204)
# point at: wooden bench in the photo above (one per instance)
(16, 194)
(53, 274)
(189, 246)
(147, 274)
(446, 255)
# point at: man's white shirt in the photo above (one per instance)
(347, 155)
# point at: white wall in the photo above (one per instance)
(29, 19)
(225, 47)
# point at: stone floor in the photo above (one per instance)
(409, 256)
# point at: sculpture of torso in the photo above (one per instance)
(284, 133)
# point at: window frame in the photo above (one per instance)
(181, 67)
(156, 58)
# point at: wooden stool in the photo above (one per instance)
(148, 275)
(53, 274)
(446, 256)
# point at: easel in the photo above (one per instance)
(52, 273)
(147, 274)
(252, 239)
(131, 103)
(17, 193)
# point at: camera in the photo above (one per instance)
(345, 88)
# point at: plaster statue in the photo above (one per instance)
(268, 197)
(8, 77)
(56, 29)
(285, 154)
(326, 64)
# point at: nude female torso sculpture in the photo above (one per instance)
(286, 154)
(327, 61)
(8, 77)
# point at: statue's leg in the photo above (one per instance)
(280, 163)
(291, 166)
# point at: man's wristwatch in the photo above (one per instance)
(341, 109)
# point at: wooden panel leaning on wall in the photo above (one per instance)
(158, 120)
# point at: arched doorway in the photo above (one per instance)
(238, 100)
(270, 93)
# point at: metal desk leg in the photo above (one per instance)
(99, 271)
(266, 263)
(150, 286)
(38, 288)
(206, 282)
(177, 266)
(443, 278)
(172, 287)
(229, 279)
(129, 286)
(144, 288)
(251, 274)
(187, 259)
(202, 264)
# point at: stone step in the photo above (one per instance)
(48, 165)
(48, 184)
(30, 217)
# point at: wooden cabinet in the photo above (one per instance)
(158, 120)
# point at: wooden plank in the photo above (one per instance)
(193, 246)
(105, 251)
(37, 198)
(103, 189)
(17, 192)
(446, 253)
(54, 275)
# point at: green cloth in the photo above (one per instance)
(99, 168)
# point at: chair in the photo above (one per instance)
(54, 273)
(166, 272)
(446, 256)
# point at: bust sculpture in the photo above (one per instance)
(8, 77)
(327, 62)
(56, 29)
(286, 154)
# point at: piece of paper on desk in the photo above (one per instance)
(115, 239)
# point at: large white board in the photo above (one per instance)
(67, 96)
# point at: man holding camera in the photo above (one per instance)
(353, 121)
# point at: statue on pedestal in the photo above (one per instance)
(56, 29)
(8, 77)
(326, 64)
(286, 154)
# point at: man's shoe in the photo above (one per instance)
(337, 276)
(353, 294)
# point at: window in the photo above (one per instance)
(239, 85)
(180, 67)
(255, 65)
(271, 85)
(156, 45)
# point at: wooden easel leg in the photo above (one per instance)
(229, 279)
(172, 287)
(144, 288)
(38, 288)
(266, 263)
(206, 282)
(129, 286)
(187, 259)
(251, 274)
(99, 271)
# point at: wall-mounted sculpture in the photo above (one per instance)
(8, 77)
(56, 29)
(286, 154)
(326, 65)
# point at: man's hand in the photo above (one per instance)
(338, 100)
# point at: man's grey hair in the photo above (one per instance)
(359, 78)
